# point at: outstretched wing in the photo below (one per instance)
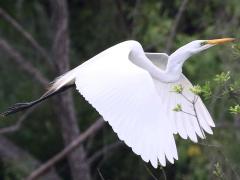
(126, 97)
(194, 118)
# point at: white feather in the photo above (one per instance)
(125, 95)
(136, 103)
(185, 124)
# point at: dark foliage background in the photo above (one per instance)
(90, 27)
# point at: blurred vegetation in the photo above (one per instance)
(96, 25)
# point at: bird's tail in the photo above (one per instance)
(60, 84)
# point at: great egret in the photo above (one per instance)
(132, 90)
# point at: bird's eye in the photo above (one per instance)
(203, 43)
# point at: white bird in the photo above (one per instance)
(132, 90)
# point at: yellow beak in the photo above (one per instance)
(220, 41)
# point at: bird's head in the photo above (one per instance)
(183, 53)
(176, 59)
(197, 46)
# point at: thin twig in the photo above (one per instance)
(188, 113)
(135, 14)
(227, 126)
(22, 160)
(164, 173)
(150, 173)
(100, 174)
(195, 112)
(17, 125)
(68, 149)
(224, 156)
(210, 145)
(123, 18)
(25, 34)
(231, 166)
(175, 25)
(195, 99)
(23, 64)
(105, 150)
(65, 110)
(186, 98)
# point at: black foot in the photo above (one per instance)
(15, 108)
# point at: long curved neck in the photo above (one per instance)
(138, 57)
(175, 63)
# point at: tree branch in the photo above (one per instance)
(18, 124)
(175, 25)
(105, 150)
(65, 110)
(68, 149)
(135, 13)
(25, 34)
(23, 64)
(227, 126)
(122, 17)
(12, 154)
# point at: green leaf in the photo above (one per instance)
(196, 89)
(177, 108)
(222, 77)
(177, 88)
(218, 171)
(235, 109)
(206, 90)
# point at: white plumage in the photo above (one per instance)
(133, 91)
(122, 83)
(126, 96)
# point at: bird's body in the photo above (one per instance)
(132, 90)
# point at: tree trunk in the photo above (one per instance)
(64, 103)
